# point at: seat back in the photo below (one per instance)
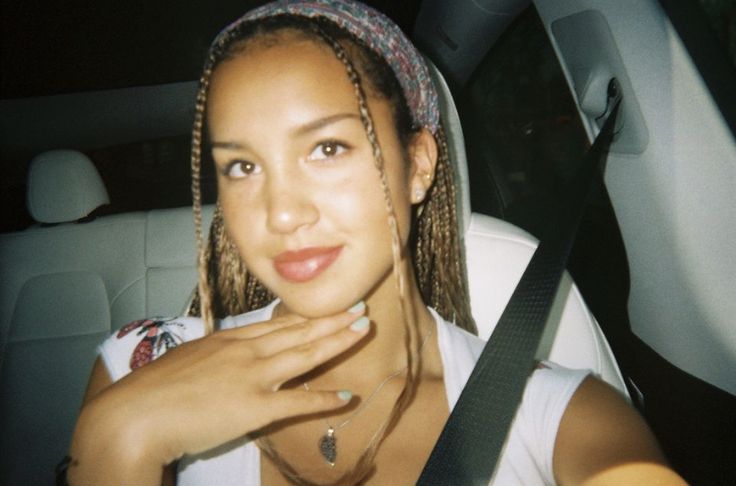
(65, 289)
(171, 272)
(56, 325)
(66, 285)
(497, 253)
(63, 281)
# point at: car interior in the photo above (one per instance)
(98, 228)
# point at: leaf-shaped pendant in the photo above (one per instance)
(328, 446)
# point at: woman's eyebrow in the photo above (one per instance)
(227, 145)
(297, 131)
(323, 122)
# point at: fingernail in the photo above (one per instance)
(361, 324)
(357, 308)
(345, 395)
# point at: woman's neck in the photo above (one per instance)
(385, 350)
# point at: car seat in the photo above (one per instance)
(58, 316)
(68, 281)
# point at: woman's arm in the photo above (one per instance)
(602, 440)
(99, 380)
(202, 394)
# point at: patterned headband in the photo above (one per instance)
(380, 34)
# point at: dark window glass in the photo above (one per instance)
(86, 45)
(721, 16)
(521, 126)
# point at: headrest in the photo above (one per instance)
(455, 143)
(63, 186)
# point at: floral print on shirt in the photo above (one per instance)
(159, 335)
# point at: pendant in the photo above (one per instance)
(328, 446)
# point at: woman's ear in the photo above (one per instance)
(423, 158)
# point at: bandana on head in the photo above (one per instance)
(380, 34)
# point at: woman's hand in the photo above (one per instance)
(205, 393)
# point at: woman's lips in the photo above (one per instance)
(305, 264)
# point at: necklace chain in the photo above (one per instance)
(328, 442)
(365, 402)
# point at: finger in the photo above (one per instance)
(305, 332)
(296, 402)
(296, 361)
(253, 331)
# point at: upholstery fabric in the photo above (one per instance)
(63, 185)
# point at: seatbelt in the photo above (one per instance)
(470, 444)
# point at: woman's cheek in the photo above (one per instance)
(357, 199)
(245, 220)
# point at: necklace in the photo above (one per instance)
(328, 442)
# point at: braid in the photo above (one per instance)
(225, 285)
(202, 302)
(439, 261)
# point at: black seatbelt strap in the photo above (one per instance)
(471, 442)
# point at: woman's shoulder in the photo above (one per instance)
(547, 393)
(548, 379)
(549, 387)
(140, 342)
(529, 452)
(459, 343)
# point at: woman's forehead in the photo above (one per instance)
(282, 35)
(374, 30)
(285, 69)
(284, 85)
(292, 43)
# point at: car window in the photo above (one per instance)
(721, 16)
(150, 174)
(521, 126)
(707, 29)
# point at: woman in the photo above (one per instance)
(335, 229)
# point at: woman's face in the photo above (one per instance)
(300, 194)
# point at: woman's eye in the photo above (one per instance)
(326, 150)
(242, 168)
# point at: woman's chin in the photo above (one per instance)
(312, 307)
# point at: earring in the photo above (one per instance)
(428, 176)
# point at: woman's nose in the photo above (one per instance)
(290, 206)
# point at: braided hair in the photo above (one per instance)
(226, 287)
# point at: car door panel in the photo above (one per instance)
(674, 200)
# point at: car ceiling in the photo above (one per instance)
(52, 48)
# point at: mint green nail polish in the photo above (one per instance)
(361, 324)
(345, 395)
(357, 308)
